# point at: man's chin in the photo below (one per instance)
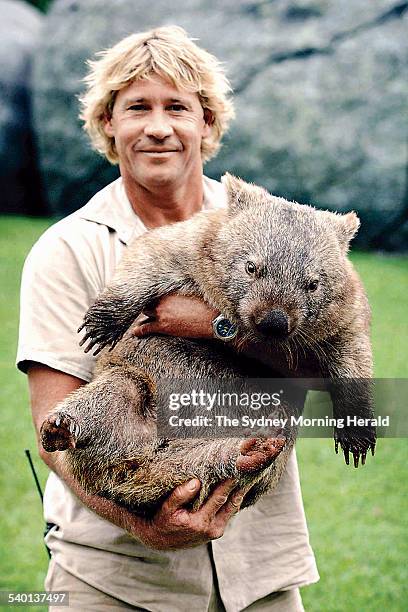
(162, 178)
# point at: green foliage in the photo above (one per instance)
(355, 516)
(43, 5)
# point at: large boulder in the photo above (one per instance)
(320, 90)
(20, 190)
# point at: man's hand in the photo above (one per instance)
(175, 527)
(177, 315)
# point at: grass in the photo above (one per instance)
(356, 517)
(24, 560)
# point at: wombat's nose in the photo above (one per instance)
(274, 323)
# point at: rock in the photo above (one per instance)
(320, 96)
(20, 190)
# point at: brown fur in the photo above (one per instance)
(300, 328)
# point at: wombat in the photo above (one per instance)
(279, 270)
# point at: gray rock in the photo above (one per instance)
(20, 190)
(320, 87)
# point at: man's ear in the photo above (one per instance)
(242, 194)
(107, 126)
(208, 117)
(208, 122)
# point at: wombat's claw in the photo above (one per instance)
(257, 453)
(356, 444)
(98, 339)
(59, 432)
(92, 343)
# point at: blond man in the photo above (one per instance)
(157, 105)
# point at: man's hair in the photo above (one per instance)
(169, 53)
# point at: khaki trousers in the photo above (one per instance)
(84, 598)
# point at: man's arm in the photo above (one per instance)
(173, 526)
(177, 315)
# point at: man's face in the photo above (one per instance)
(158, 131)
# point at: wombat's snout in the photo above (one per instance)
(274, 323)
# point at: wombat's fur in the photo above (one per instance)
(279, 270)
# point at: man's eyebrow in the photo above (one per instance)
(134, 101)
(183, 100)
(130, 101)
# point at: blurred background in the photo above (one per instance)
(320, 88)
(321, 98)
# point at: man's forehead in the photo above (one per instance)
(155, 87)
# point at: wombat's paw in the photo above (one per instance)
(99, 337)
(257, 453)
(59, 432)
(356, 443)
(105, 323)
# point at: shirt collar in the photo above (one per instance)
(111, 207)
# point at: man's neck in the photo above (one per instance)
(164, 205)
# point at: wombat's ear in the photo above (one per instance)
(346, 225)
(242, 194)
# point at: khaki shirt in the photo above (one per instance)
(264, 549)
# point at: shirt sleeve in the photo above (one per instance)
(60, 281)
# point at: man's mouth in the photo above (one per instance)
(157, 151)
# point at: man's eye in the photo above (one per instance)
(137, 107)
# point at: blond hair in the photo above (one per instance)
(169, 53)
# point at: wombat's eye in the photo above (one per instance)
(312, 285)
(250, 268)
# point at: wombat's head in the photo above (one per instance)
(282, 266)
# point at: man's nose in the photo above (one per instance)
(158, 126)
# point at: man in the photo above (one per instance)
(156, 104)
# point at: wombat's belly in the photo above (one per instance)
(110, 428)
(165, 356)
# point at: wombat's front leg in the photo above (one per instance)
(121, 303)
(351, 393)
(352, 408)
(112, 313)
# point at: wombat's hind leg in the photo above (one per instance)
(59, 432)
(257, 453)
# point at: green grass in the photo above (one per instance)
(356, 517)
(24, 559)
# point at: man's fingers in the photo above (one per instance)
(146, 325)
(148, 314)
(182, 495)
(143, 325)
(235, 499)
(141, 330)
(144, 318)
(233, 504)
(218, 497)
